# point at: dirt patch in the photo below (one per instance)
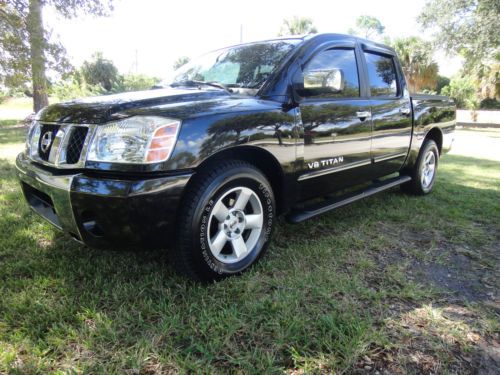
(447, 334)
(462, 273)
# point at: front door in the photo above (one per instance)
(337, 128)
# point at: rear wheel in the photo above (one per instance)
(227, 221)
(425, 169)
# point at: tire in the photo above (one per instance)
(423, 175)
(218, 234)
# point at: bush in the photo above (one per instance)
(3, 96)
(72, 88)
(463, 91)
(134, 82)
(489, 103)
(442, 82)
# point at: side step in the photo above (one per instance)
(320, 208)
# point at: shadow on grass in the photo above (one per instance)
(311, 303)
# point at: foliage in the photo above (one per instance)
(463, 91)
(73, 87)
(441, 81)
(137, 82)
(488, 80)
(367, 27)
(466, 27)
(27, 49)
(183, 60)
(415, 55)
(3, 95)
(489, 103)
(100, 72)
(297, 26)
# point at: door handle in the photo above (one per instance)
(363, 115)
(405, 111)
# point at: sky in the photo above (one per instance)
(147, 36)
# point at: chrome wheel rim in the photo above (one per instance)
(235, 225)
(429, 169)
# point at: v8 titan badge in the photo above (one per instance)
(326, 162)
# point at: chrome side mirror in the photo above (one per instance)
(324, 81)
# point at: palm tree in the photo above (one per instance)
(297, 26)
(420, 69)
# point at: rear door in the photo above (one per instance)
(337, 127)
(391, 112)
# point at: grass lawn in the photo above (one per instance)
(15, 109)
(393, 283)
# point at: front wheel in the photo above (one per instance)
(226, 223)
(424, 172)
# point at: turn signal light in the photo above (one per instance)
(162, 143)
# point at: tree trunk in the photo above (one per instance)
(37, 47)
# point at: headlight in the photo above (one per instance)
(32, 138)
(139, 139)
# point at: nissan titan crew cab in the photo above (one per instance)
(204, 164)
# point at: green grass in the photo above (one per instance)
(17, 103)
(328, 293)
(7, 123)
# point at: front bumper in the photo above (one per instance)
(104, 212)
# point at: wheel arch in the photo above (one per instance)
(436, 135)
(261, 159)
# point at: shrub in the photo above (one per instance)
(463, 91)
(72, 88)
(3, 95)
(134, 82)
(489, 103)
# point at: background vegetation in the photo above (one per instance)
(28, 52)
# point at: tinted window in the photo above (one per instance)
(343, 59)
(382, 75)
(245, 66)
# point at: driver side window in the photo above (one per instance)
(340, 59)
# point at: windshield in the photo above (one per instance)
(244, 67)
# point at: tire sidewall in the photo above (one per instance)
(240, 176)
(430, 146)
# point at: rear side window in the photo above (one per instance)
(381, 74)
(343, 59)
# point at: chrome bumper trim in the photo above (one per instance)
(57, 187)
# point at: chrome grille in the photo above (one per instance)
(75, 144)
(60, 145)
(47, 137)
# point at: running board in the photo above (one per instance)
(320, 208)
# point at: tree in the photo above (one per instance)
(26, 51)
(100, 71)
(183, 60)
(367, 27)
(465, 27)
(441, 82)
(297, 26)
(416, 57)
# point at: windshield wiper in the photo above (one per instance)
(193, 82)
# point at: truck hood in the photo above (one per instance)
(170, 102)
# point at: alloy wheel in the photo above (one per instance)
(235, 224)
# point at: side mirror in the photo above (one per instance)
(323, 81)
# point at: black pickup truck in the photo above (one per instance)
(203, 165)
